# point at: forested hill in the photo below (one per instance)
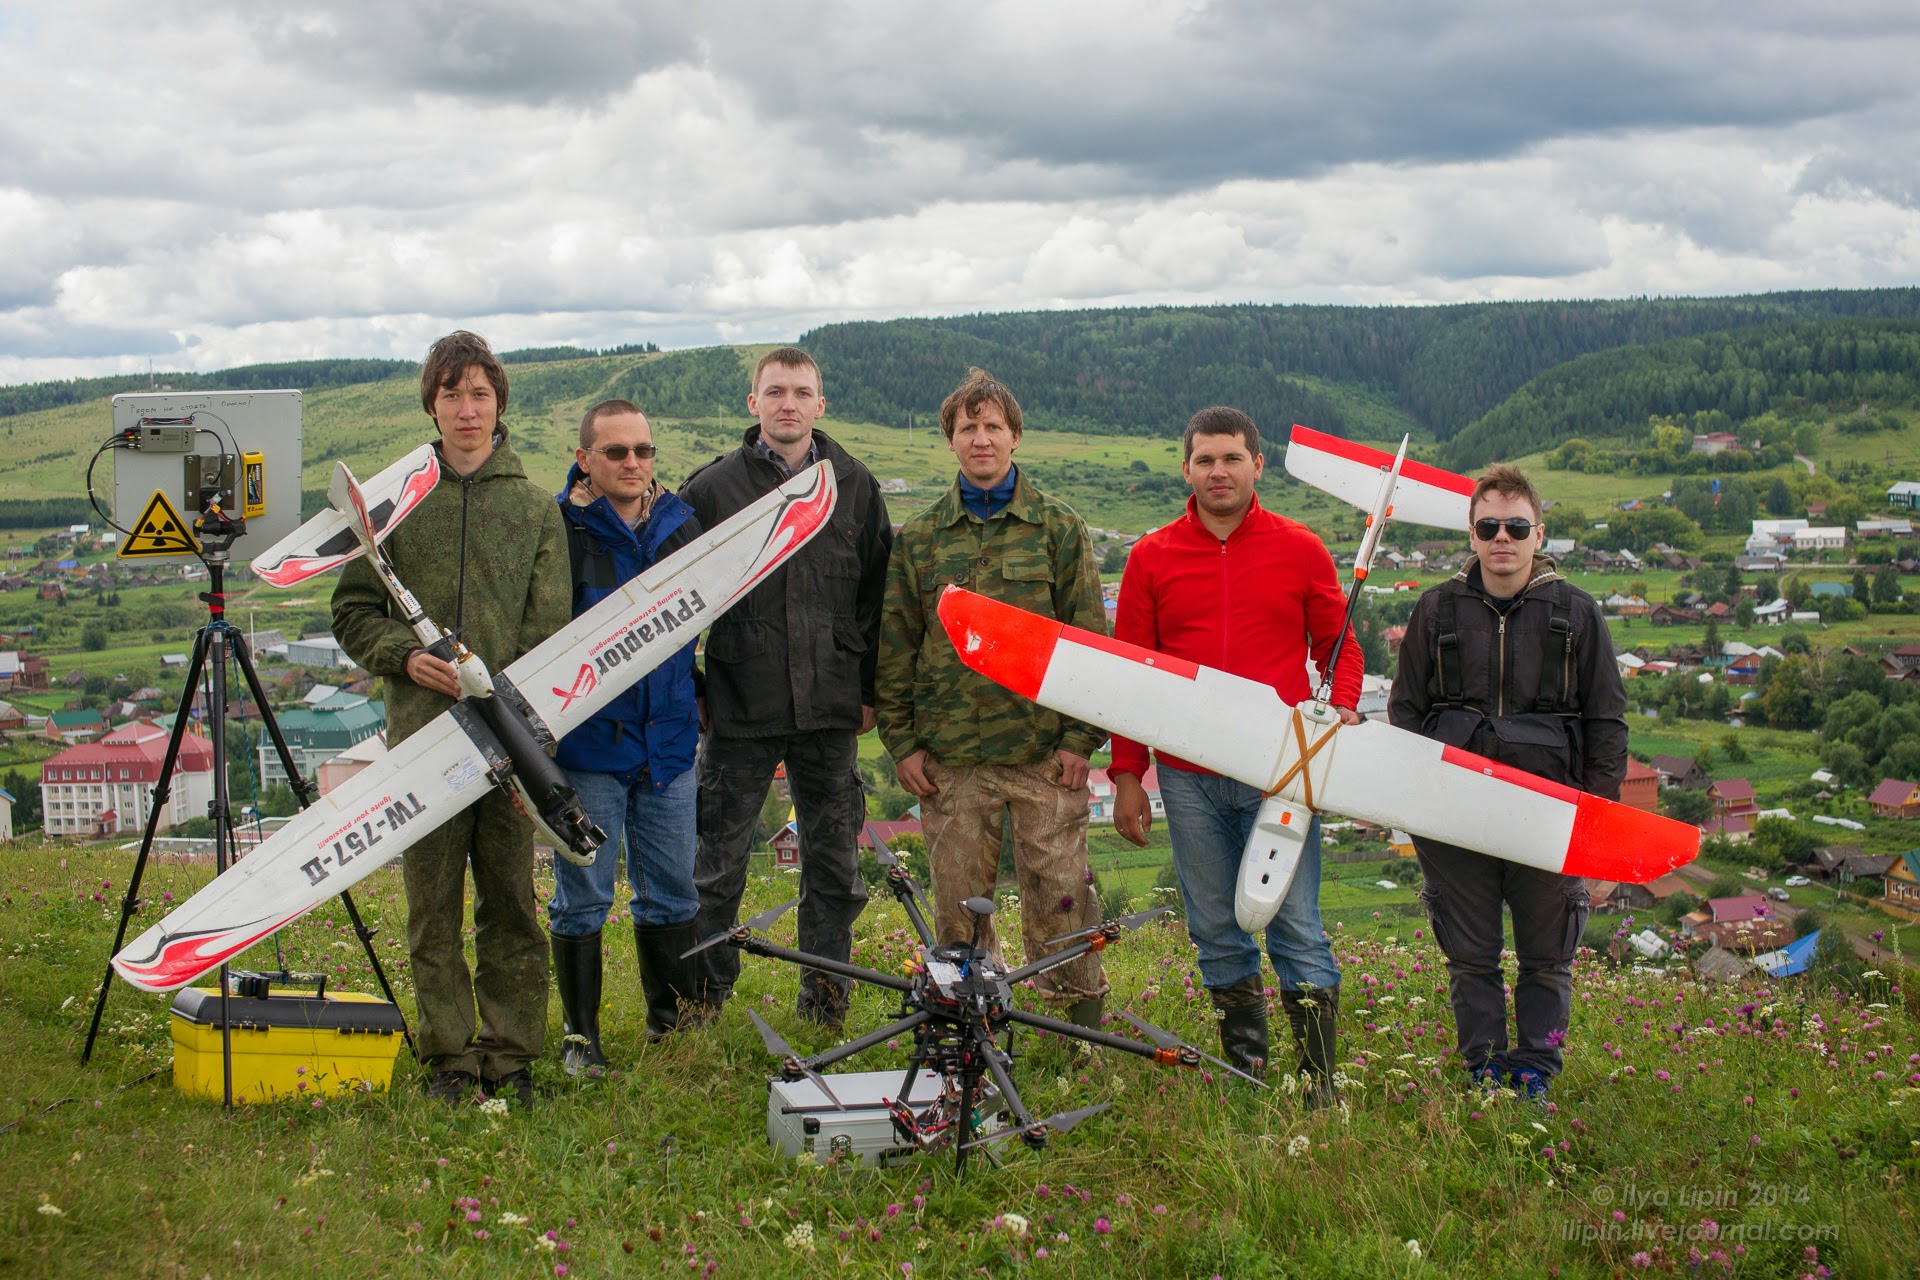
(1337, 368)
(301, 374)
(1741, 374)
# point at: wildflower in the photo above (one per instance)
(48, 1209)
(1641, 1259)
(1298, 1144)
(1413, 1248)
(800, 1238)
(1101, 1227)
(512, 1220)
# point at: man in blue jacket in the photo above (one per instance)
(633, 762)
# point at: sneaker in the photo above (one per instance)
(516, 1084)
(451, 1087)
(1531, 1085)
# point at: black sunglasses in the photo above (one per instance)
(1488, 529)
(619, 452)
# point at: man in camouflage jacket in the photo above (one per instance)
(486, 555)
(970, 749)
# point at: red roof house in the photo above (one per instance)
(1894, 798)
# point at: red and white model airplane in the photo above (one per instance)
(1301, 756)
(489, 736)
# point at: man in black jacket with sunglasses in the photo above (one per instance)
(1511, 661)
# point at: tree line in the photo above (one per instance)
(1743, 374)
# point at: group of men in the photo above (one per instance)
(843, 638)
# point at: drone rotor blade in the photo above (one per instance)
(766, 918)
(1131, 922)
(1167, 1040)
(714, 941)
(1058, 1123)
(881, 853)
(779, 1048)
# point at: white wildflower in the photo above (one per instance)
(512, 1220)
(494, 1107)
(51, 1210)
(1536, 1124)
(1298, 1145)
(1413, 1247)
(801, 1237)
(546, 1243)
(1014, 1223)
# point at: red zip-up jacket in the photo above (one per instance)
(1249, 606)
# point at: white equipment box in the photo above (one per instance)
(800, 1119)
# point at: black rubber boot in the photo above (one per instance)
(576, 971)
(1243, 1025)
(824, 999)
(1313, 1017)
(665, 979)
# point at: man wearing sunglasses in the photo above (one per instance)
(633, 762)
(1510, 661)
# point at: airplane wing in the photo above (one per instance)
(1351, 472)
(439, 771)
(327, 541)
(330, 846)
(1244, 730)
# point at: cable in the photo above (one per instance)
(112, 442)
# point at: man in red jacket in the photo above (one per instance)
(1233, 586)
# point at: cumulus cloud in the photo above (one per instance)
(204, 184)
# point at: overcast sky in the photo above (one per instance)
(205, 183)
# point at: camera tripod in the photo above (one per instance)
(214, 644)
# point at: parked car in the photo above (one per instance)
(1778, 894)
(1798, 882)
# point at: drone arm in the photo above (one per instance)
(868, 1041)
(1002, 1079)
(1074, 1031)
(1060, 957)
(905, 891)
(773, 951)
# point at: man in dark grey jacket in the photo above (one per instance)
(789, 677)
(1510, 661)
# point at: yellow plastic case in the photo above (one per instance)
(285, 1047)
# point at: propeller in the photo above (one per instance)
(1133, 921)
(1168, 1040)
(1037, 1131)
(887, 858)
(789, 1060)
(761, 921)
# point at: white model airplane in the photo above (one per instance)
(1303, 756)
(332, 538)
(450, 763)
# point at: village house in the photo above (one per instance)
(1680, 771)
(1732, 796)
(1734, 827)
(1902, 664)
(1824, 538)
(1905, 494)
(1745, 924)
(1715, 442)
(1846, 864)
(76, 726)
(1895, 798)
(1902, 880)
(1641, 787)
(1667, 615)
(329, 723)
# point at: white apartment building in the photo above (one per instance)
(105, 788)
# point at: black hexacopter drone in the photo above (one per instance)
(958, 1002)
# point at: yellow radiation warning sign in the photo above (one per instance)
(159, 532)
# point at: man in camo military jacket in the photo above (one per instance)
(970, 749)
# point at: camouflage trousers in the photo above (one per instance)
(509, 978)
(962, 822)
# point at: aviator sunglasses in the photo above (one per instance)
(619, 452)
(1488, 529)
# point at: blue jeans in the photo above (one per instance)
(1209, 819)
(657, 829)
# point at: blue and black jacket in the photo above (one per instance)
(654, 727)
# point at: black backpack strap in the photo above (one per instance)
(1446, 666)
(588, 560)
(1556, 669)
